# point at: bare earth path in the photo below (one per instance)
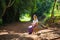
(16, 29)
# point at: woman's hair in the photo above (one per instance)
(34, 16)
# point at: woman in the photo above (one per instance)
(33, 28)
(35, 23)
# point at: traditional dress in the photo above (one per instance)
(33, 27)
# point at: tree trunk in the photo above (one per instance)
(4, 11)
(9, 5)
(52, 14)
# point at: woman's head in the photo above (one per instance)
(34, 17)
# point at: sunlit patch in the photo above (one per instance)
(25, 17)
(56, 12)
(47, 16)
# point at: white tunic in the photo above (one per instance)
(35, 21)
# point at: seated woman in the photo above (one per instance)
(34, 26)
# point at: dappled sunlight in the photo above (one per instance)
(48, 15)
(17, 15)
(3, 32)
(43, 34)
(56, 12)
(25, 17)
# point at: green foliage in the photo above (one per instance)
(39, 7)
(25, 17)
(3, 3)
(24, 7)
(44, 6)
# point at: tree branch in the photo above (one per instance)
(10, 4)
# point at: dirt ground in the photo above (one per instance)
(19, 27)
(23, 27)
(16, 27)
